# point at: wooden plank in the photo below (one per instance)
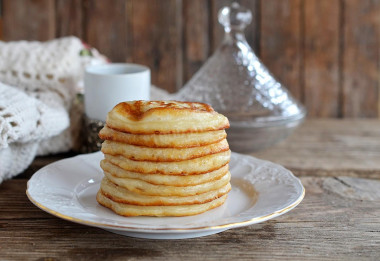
(325, 226)
(354, 188)
(69, 18)
(157, 40)
(14, 191)
(252, 31)
(321, 146)
(196, 36)
(106, 27)
(361, 56)
(281, 42)
(28, 20)
(321, 57)
(1, 22)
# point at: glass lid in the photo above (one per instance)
(236, 83)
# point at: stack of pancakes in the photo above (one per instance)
(164, 158)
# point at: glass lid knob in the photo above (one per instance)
(234, 17)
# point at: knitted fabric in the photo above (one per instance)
(38, 84)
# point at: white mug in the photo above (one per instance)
(109, 84)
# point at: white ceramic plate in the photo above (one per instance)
(261, 190)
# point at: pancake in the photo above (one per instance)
(165, 117)
(187, 167)
(122, 195)
(145, 188)
(164, 158)
(179, 211)
(185, 140)
(139, 153)
(159, 179)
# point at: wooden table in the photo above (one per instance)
(338, 219)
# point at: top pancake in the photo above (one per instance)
(165, 117)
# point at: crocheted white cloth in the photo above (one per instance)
(38, 84)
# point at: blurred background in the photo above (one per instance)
(327, 52)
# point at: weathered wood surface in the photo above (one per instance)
(280, 46)
(69, 18)
(339, 219)
(361, 33)
(354, 188)
(325, 51)
(196, 47)
(325, 226)
(157, 40)
(104, 23)
(330, 147)
(321, 49)
(28, 20)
